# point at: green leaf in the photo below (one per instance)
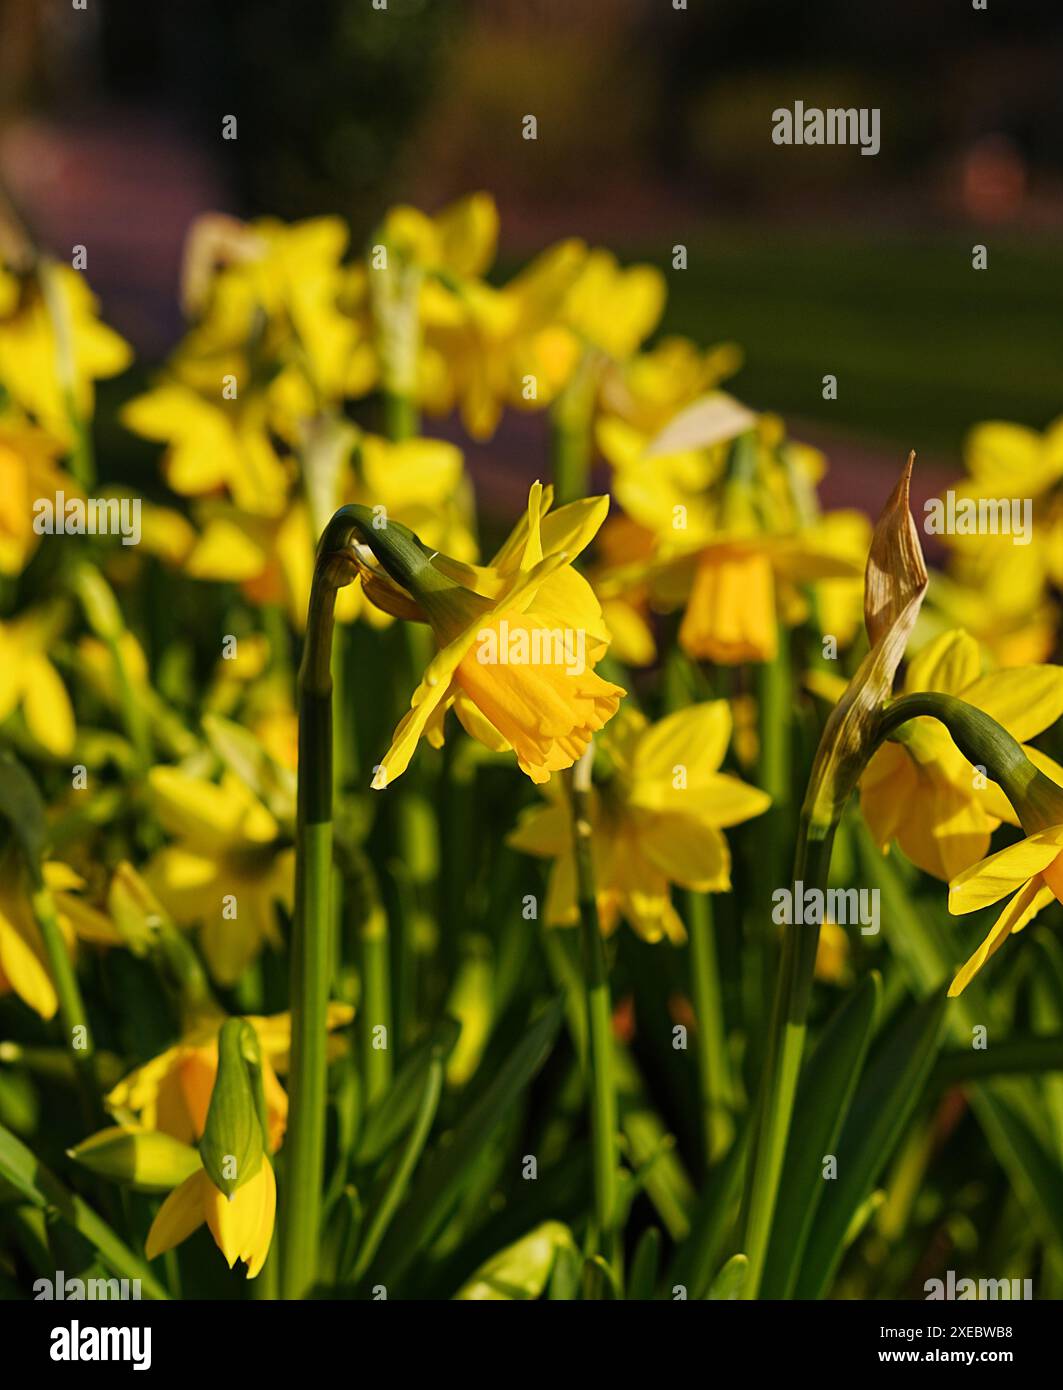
(390, 1117)
(823, 1099)
(444, 1173)
(23, 809)
(22, 1169)
(1035, 1169)
(642, 1280)
(384, 1208)
(887, 1094)
(565, 1278)
(521, 1270)
(699, 1255)
(1017, 1055)
(728, 1285)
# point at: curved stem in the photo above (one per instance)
(1036, 799)
(311, 946)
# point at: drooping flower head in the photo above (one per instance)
(920, 790)
(517, 639)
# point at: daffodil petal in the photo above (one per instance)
(242, 1226)
(181, 1213)
(991, 879)
(687, 852)
(46, 705)
(23, 969)
(1024, 906)
(950, 663)
(1025, 699)
(694, 739)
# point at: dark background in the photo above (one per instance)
(654, 128)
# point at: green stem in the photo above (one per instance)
(782, 1063)
(1037, 801)
(311, 947)
(599, 1016)
(400, 417)
(714, 1071)
(571, 418)
(71, 1006)
(370, 921)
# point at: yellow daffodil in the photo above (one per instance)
(1020, 636)
(509, 346)
(267, 292)
(226, 869)
(920, 790)
(416, 288)
(731, 548)
(241, 1222)
(623, 543)
(657, 819)
(24, 968)
(172, 1092)
(214, 445)
(649, 388)
(1033, 866)
(518, 641)
(1007, 460)
(242, 1225)
(53, 347)
(27, 471)
(614, 308)
(30, 682)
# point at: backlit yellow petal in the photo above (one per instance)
(242, 1226)
(694, 739)
(22, 967)
(1021, 909)
(46, 705)
(1025, 699)
(949, 663)
(687, 852)
(989, 881)
(183, 1212)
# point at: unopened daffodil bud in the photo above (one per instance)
(233, 1140)
(144, 1159)
(894, 585)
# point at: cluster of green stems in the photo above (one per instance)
(1037, 803)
